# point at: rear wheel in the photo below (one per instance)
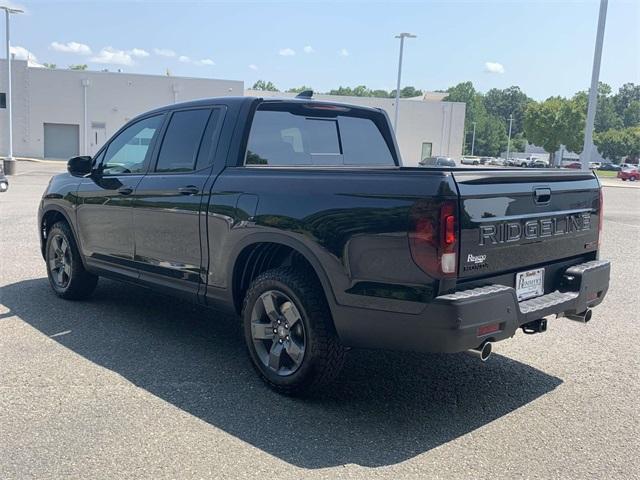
(633, 178)
(289, 332)
(67, 275)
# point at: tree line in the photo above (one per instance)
(549, 123)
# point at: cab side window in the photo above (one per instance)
(128, 153)
(181, 143)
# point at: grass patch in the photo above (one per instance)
(605, 174)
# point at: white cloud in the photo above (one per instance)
(138, 52)
(253, 67)
(184, 59)
(287, 52)
(343, 52)
(21, 53)
(112, 56)
(308, 49)
(493, 67)
(71, 47)
(205, 62)
(164, 52)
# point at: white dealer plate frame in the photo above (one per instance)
(530, 284)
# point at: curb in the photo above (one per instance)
(38, 160)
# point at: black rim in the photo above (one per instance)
(60, 261)
(278, 332)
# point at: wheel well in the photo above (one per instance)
(260, 257)
(48, 220)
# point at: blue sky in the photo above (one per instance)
(545, 47)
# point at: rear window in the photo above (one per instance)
(282, 138)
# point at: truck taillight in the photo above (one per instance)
(433, 239)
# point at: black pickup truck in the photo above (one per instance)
(297, 215)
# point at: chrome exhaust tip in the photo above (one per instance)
(583, 317)
(483, 352)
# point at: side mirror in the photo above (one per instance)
(80, 166)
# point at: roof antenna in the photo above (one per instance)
(305, 94)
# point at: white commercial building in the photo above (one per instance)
(427, 126)
(61, 113)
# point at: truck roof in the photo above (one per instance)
(236, 100)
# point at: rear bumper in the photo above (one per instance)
(451, 322)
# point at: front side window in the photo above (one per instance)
(182, 140)
(282, 138)
(128, 152)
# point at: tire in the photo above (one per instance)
(624, 179)
(4, 186)
(67, 275)
(476, 163)
(633, 179)
(316, 353)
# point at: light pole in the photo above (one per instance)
(402, 36)
(9, 162)
(509, 141)
(587, 147)
(473, 138)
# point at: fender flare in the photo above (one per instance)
(64, 213)
(294, 244)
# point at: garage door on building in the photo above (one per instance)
(61, 140)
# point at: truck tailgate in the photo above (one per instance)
(514, 219)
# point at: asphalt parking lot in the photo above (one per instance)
(134, 385)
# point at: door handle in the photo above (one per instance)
(189, 190)
(125, 190)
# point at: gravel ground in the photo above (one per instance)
(134, 385)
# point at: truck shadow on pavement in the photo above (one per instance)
(386, 407)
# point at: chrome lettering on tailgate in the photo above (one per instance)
(508, 232)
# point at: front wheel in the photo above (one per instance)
(289, 333)
(633, 179)
(67, 275)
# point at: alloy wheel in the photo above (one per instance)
(278, 333)
(60, 261)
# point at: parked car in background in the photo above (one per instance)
(627, 165)
(631, 174)
(470, 160)
(539, 163)
(4, 181)
(594, 165)
(574, 165)
(498, 162)
(438, 162)
(610, 167)
(485, 160)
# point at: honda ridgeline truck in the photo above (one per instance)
(298, 216)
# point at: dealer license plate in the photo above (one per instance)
(530, 284)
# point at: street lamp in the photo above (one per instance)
(9, 162)
(402, 36)
(473, 138)
(509, 141)
(587, 147)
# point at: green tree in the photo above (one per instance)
(607, 117)
(406, 92)
(52, 66)
(554, 122)
(380, 93)
(299, 89)
(631, 114)
(503, 103)
(627, 95)
(78, 67)
(491, 133)
(617, 144)
(265, 86)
